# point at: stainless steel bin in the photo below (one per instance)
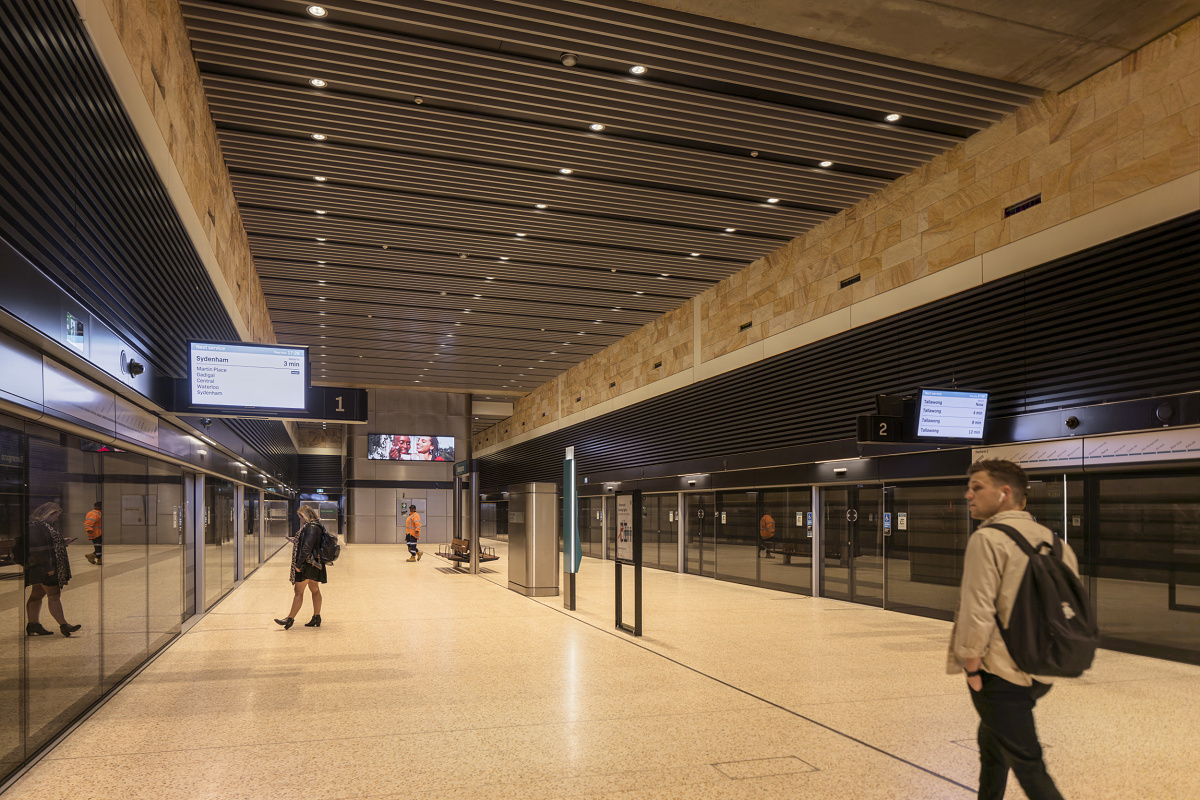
(533, 539)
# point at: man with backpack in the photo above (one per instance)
(999, 554)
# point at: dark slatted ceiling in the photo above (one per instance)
(423, 200)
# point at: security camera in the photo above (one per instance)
(206, 422)
(569, 59)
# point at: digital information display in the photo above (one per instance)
(248, 376)
(943, 414)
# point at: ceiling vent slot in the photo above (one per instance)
(1017, 208)
(853, 279)
(612, 385)
(745, 326)
(657, 364)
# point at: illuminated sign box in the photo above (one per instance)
(225, 375)
(948, 415)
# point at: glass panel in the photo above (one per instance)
(668, 532)
(835, 532)
(250, 511)
(786, 555)
(930, 527)
(125, 521)
(65, 475)
(13, 516)
(737, 536)
(650, 505)
(610, 526)
(219, 555)
(277, 524)
(1147, 584)
(166, 553)
(699, 521)
(1045, 502)
(867, 534)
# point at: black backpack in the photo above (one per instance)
(327, 548)
(1052, 630)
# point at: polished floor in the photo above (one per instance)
(425, 682)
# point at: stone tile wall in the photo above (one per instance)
(1130, 128)
(155, 40)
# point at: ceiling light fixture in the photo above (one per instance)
(568, 59)
(826, 163)
(566, 171)
(540, 205)
(317, 11)
(320, 137)
(730, 230)
(695, 255)
(772, 199)
(320, 178)
(319, 239)
(596, 126)
(317, 83)
(521, 235)
(322, 212)
(504, 258)
(637, 69)
(892, 117)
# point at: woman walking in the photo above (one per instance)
(307, 569)
(47, 570)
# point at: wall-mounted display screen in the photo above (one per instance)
(409, 447)
(258, 376)
(951, 415)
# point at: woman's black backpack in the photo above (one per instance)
(327, 549)
(1052, 630)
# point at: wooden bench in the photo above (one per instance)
(459, 552)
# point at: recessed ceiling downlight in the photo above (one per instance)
(892, 117)
(317, 11)
(637, 69)
(826, 163)
(596, 126)
(317, 83)
(320, 137)
(772, 199)
(566, 171)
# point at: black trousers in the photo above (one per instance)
(96, 544)
(1008, 739)
(412, 543)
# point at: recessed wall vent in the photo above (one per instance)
(612, 385)
(853, 279)
(577, 399)
(657, 364)
(745, 326)
(1017, 208)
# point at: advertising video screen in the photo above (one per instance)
(409, 447)
(251, 376)
(947, 415)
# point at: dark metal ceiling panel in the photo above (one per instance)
(446, 124)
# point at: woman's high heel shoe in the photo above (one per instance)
(36, 629)
(67, 629)
(315, 622)
(286, 623)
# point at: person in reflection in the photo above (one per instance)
(766, 530)
(91, 526)
(47, 570)
(307, 571)
(401, 447)
(1003, 695)
(427, 449)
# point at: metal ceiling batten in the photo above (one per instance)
(461, 172)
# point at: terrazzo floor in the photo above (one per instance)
(426, 682)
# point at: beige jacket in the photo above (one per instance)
(992, 573)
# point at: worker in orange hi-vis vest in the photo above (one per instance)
(412, 533)
(91, 526)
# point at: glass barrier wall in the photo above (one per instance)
(91, 545)
(278, 523)
(660, 531)
(250, 533)
(220, 554)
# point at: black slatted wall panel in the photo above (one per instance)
(80, 199)
(320, 472)
(1116, 322)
